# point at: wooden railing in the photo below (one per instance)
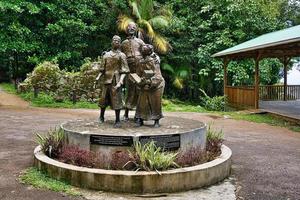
(276, 92)
(241, 95)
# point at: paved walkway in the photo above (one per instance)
(287, 108)
(266, 159)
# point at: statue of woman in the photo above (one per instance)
(151, 88)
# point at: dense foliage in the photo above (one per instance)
(63, 31)
(61, 85)
(66, 32)
(203, 28)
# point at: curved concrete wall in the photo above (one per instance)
(138, 182)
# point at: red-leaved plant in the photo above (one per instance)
(74, 155)
(121, 160)
(191, 157)
(214, 142)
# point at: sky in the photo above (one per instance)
(293, 77)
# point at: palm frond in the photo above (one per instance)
(145, 24)
(159, 22)
(168, 68)
(182, 72)
(178, 83)
(146, 9)
(123, 21)
(135, 9)
(161, 44)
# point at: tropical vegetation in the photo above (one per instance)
(185, 33)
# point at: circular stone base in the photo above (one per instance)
(174, 134)
(174, 180)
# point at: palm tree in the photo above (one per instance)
(150, 22)
(178, 74)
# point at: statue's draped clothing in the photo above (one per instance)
(131, 47)
(149, 105)
(113, 65)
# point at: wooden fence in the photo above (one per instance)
(276, 92)
(243, 96)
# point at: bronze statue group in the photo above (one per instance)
(134, 64)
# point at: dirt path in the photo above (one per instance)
(11, 100)
(266, 159)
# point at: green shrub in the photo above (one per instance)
(45, 76)
(26, 85)
(87, 76)
(61, 85)
(69, 85)
(149, 157)
(51, 143)
(217, 103)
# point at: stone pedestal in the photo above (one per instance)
(174, 134)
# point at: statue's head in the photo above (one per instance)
(131, 28)
(147, 49)
(116, 42)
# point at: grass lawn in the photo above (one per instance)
(265, 118)
(37, 179)
(45, 100)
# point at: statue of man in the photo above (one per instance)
(113, 68)
(132, 48)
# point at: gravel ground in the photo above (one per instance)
(266, 159)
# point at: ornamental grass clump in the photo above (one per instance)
(51, 143)
(149, 157)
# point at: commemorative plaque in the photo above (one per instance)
(111, 140)
(166, 142)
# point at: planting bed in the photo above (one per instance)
(138, 182)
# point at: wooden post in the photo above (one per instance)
(285, 63)
(256, 88)
(226, 61)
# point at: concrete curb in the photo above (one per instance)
(175, 180)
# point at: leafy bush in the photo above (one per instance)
(149, 157)
(214, 141)
(87, 76)
(52, 143)
(26, 86)
(74, 155)
(62, 85)
(45, 76)
(216, 103)
(69, 85)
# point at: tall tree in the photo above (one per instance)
(63, 31)
(203, 28)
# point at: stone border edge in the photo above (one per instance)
(174, 180)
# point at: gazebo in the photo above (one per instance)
(283, 44)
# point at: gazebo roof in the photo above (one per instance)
(281, 43)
